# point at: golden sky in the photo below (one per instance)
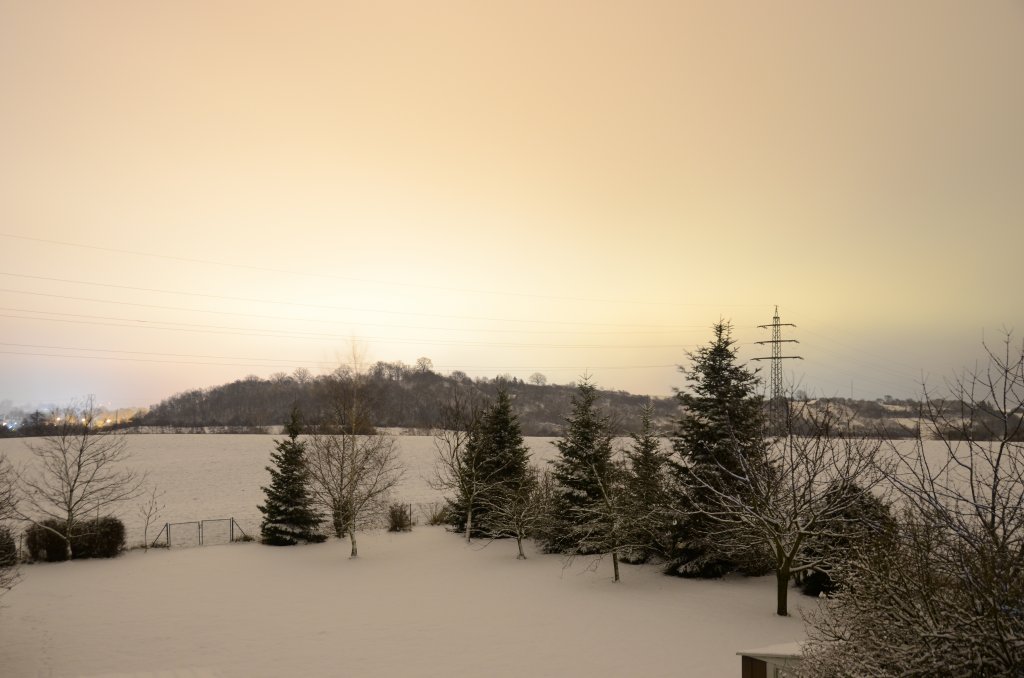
(194, 191)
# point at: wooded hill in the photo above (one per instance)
(399, 396)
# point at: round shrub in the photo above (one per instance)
(100, 538)
(43, 544)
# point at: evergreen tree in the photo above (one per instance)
(583, 516)
(646, 496)
(288, 514)
(499, 459)
(723, 419)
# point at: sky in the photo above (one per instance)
(194, 192)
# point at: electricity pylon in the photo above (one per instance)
(777, 403)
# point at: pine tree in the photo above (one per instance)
(504, 454)
(288, 514)
(723, 418)
(585, 514)
(499, 459)
(646, 497)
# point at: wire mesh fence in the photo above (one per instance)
(200, 533)
(217, 531)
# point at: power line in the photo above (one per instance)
(290, 363)
(279, 334)
(332, 307)
(171, 355)
(330, 322)
(372, 281)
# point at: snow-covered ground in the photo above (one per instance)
(220, 476)
(416, 604)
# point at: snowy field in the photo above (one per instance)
(418, 604)
(220, 476)
(415, 604)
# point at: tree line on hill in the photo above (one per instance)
(400, 396)
(413, 398)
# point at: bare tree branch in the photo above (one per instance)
(797, 495)
(8, 513)
(352, 474)
(944, 595)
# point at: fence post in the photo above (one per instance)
(167, 526)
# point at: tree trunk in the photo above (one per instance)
(352, 538)
(615, 563)
(519, 542)
(782, 584)
(67, 537)
(469, 525)
(338, 521)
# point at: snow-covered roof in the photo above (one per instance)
(780, 650)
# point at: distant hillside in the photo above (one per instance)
(410, 399)
(400, 397)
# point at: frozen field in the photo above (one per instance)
(220, 475)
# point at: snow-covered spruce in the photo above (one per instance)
(288, 514)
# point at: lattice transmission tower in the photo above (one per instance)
(776, 389)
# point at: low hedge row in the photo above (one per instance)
(95, 538)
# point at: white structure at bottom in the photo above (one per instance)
(773, 661)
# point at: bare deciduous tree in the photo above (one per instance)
(800, 493)
(353, 477)
(352, 474)
(519, 509)
(945, 595)
(8, 512)
(79, 472)
(148, 511)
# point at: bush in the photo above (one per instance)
(42, 544)
(400, 518)
(438, 513)
(97, 538)
(102, 538)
